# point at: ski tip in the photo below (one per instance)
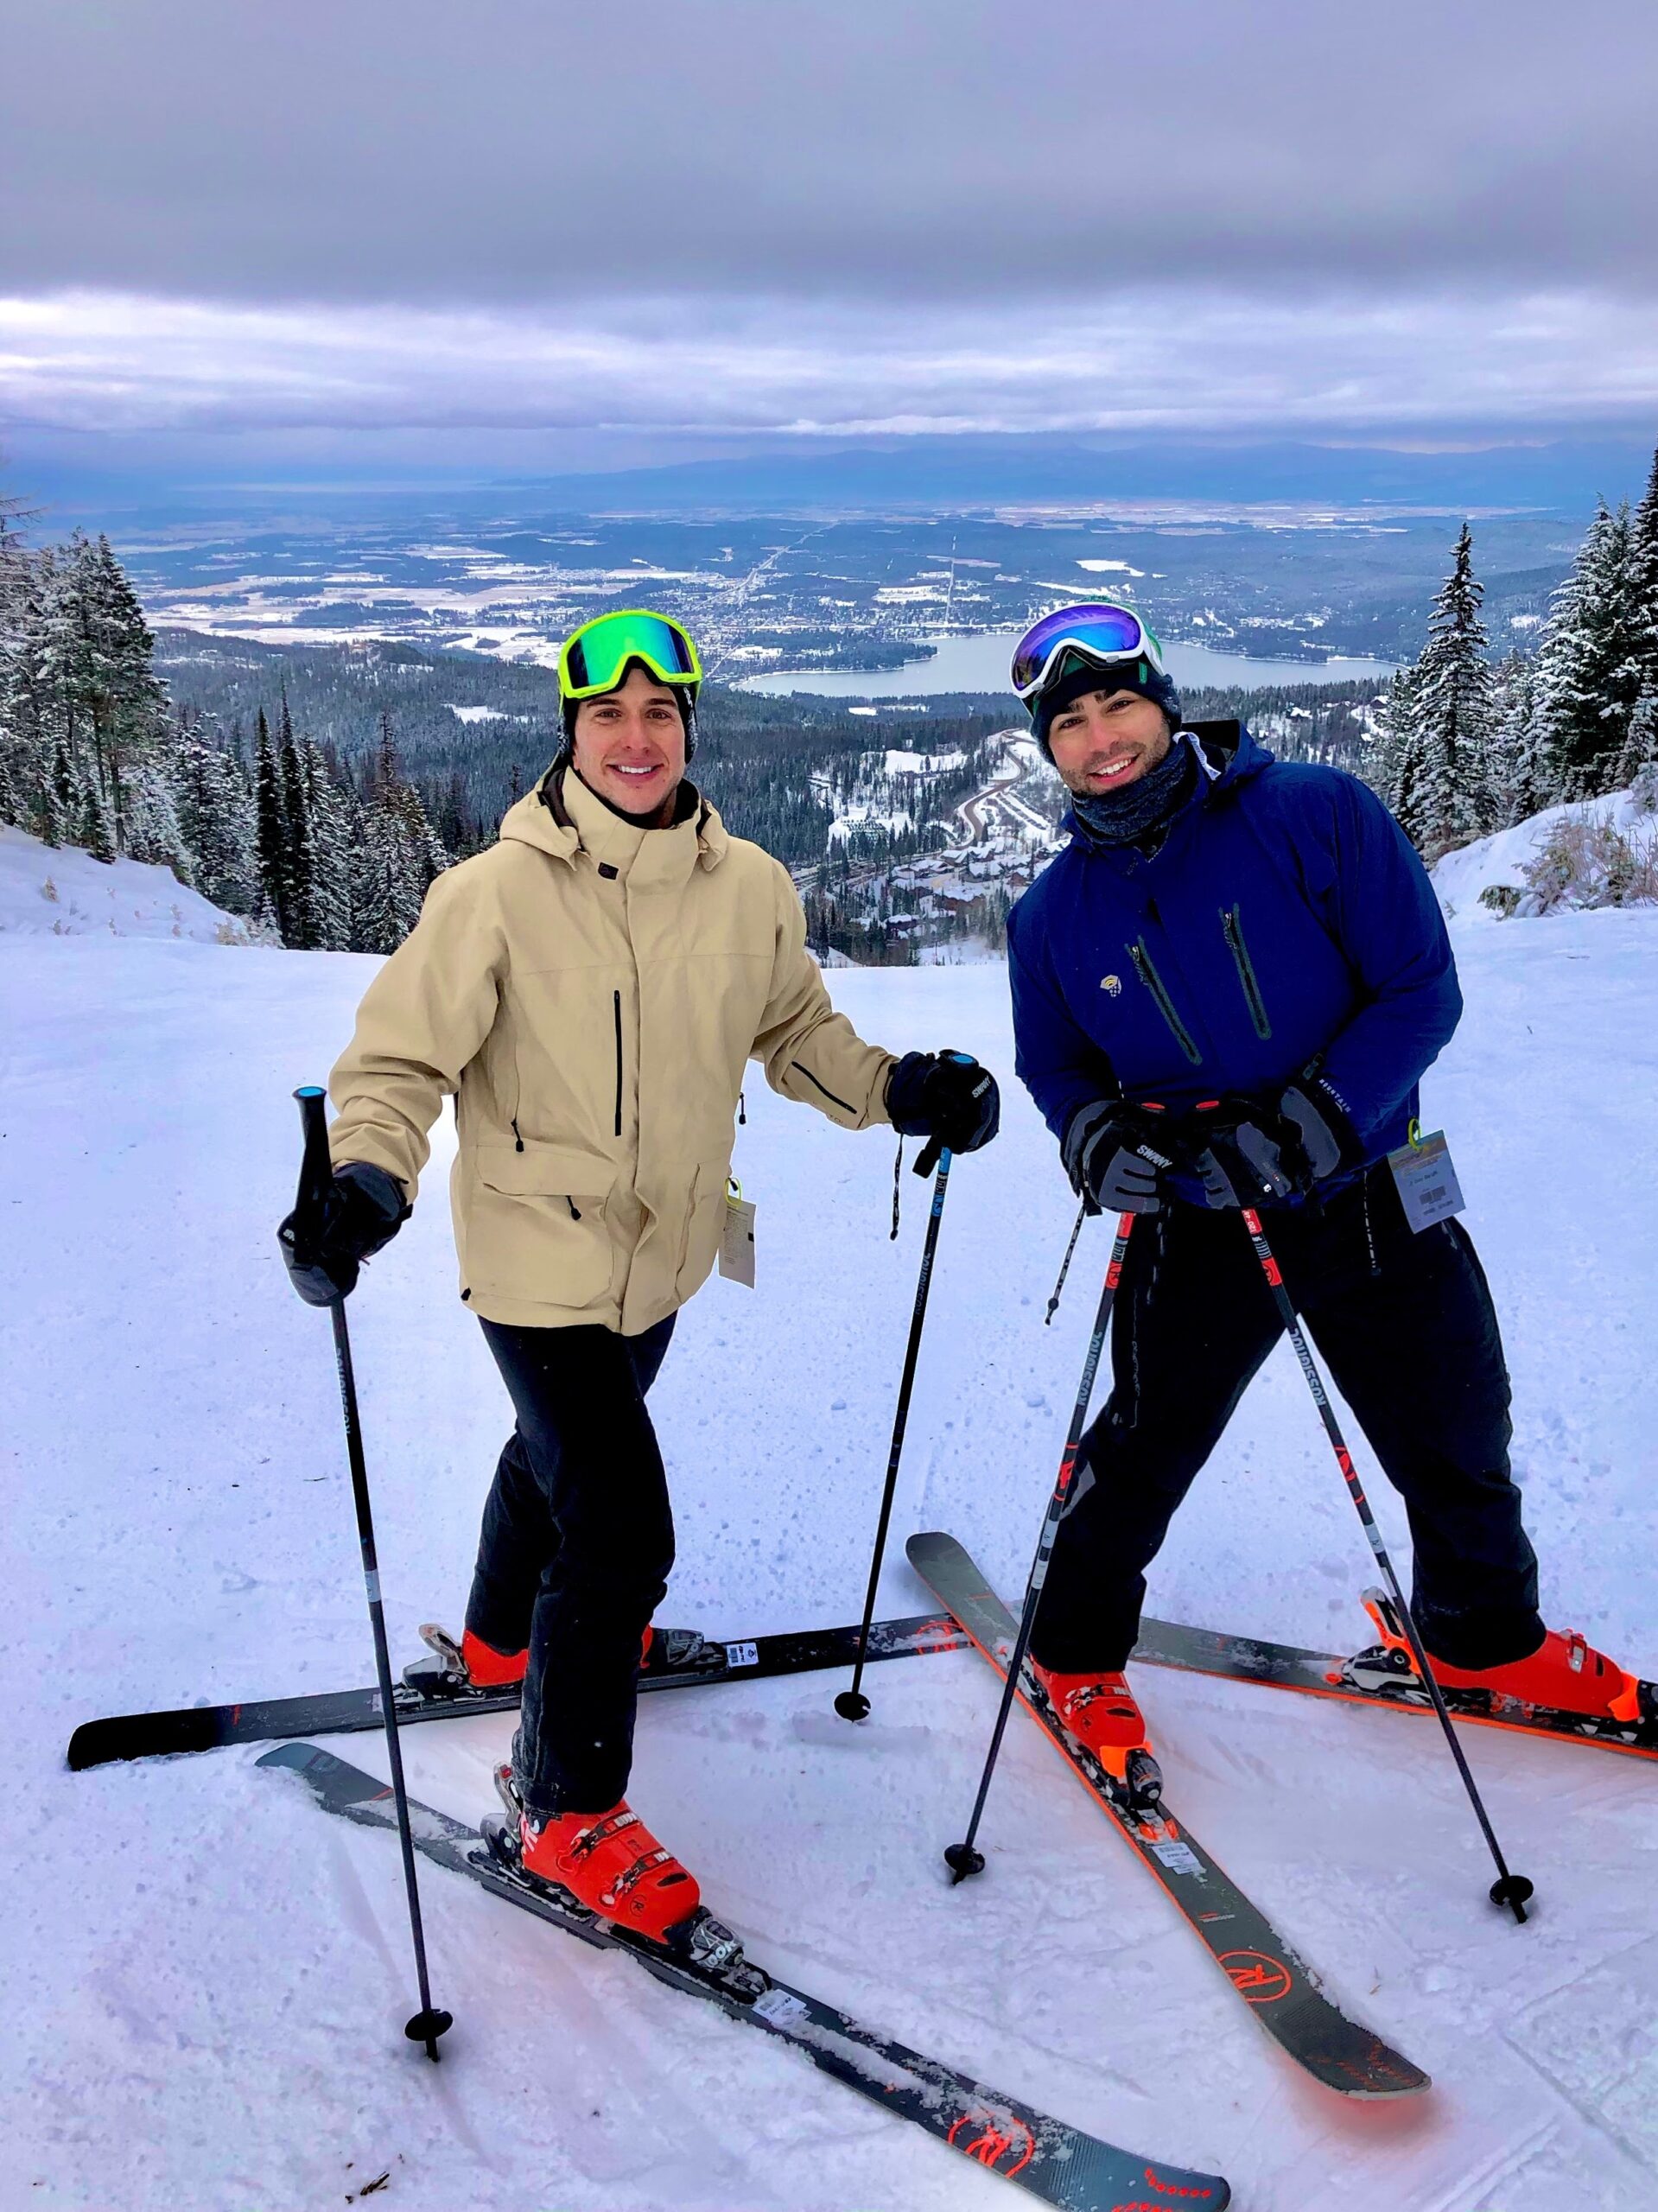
(84, 1747)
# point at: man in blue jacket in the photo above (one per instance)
(1253, 947)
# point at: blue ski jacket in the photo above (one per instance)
(1284, 917)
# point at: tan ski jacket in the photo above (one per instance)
(590, 993)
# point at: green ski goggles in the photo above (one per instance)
(596, 655)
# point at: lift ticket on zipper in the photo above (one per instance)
(1426, 1181)
(737, 1240)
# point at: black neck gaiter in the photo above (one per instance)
(1107, 820)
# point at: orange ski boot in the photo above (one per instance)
(1564, 1674)
(487, 1668)
(611, 1863)
(1100, 1711)
(458, 1670)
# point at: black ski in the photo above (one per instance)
(1381, 1675)
(1270, 1977)
(428, 1693)
(1058, 2163)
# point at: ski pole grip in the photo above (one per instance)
(316, 1167)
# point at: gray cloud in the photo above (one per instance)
(973, 151)
(1192, 359)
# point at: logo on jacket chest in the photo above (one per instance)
(1112, 986)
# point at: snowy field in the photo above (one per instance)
(207, 1980)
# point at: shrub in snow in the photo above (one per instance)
(1643, 792)
(1588, 863)
(1502, 899)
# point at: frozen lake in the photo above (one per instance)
(979, 663)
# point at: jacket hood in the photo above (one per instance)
(1228, 749)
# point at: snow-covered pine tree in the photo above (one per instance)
(430, 857)
(111, 666)
(32, 706)
(388, 901)
(1516, 765)
(63, 809)
(271, 818)
(331, 849)
(1453, 714)
(1643, 582)
(1592, 672)
(154, 832)
(1641, 744)
(301, 927)
(1396, 726)
(95, 829)
(216, 813)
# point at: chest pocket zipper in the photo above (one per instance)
(1148, 976)
(617, 1005)
(1232, 929)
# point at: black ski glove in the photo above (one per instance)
(1116, 1155)
(946, 1096)
(1255, 1153)
(358, 1213)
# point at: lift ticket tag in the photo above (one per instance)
(737, 1238)
(1427, 1184)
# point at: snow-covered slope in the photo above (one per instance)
(1461, 876)
(61, 891)
(207, 1981)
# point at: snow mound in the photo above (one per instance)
(48, 891)
(1502, 860)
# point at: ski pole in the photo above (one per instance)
(1511, 1890)
(428, 2024)
(853, 1705)
(962, 1858)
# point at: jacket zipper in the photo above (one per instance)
(517, 1141)
(617, 1005)
(1232, 928)
(1153, 983)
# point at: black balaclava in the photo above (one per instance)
(1141, 811)
(687, 705)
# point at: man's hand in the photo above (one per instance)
(946, 1096)
(1253, 1154)
(358, 1213)
(1116, 1155)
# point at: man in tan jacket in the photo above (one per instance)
(590, 991)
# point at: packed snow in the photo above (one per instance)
(207, 1979)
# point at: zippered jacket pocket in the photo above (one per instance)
(616, 1002)
(1232, 930)
(1146, 969)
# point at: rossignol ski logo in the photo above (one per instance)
(1258, 1977)
(1005, 2143)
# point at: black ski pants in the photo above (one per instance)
(577, 1542)
(1406, 1329)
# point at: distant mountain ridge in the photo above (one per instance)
(930, 474)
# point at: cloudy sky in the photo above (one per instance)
(597, 234)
